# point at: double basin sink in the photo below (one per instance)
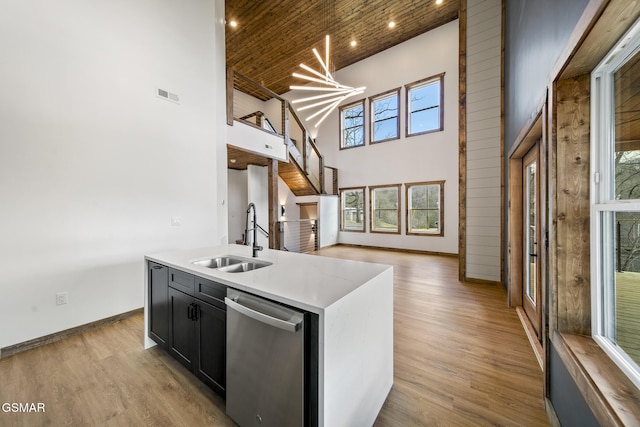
(231, 264)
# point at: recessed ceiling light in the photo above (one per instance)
(438, 1)
(353, 43)
(392, 24)
(233, 23)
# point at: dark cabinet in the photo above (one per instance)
(197, 336)
(211, 346)
(158, 309)
(181, 328)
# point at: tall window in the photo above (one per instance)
(615, 204)
(352, 125)
(385, 117)
(385, 209)
(425, 112)
(352, 209)
(425, 201)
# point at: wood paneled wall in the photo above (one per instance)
(572, 221)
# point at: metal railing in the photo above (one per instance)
(299, 235)
(251, 103)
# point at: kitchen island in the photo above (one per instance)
(353, 304)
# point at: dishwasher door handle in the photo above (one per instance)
(261, 317)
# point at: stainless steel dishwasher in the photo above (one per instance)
(265, 362)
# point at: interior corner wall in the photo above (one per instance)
(426, 157)
(329, 213)
(483, 185)
(96, 166)
(328, 217)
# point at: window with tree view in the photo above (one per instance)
(385, 118)
(352, 209)
(425, 202)
(616, 205)
(385, 209)
(424, 106)
(352, 125)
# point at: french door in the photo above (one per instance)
(531, 283)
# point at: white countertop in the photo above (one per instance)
(310, 282)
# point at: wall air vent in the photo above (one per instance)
(164, 94)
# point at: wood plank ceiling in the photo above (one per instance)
(273, 37)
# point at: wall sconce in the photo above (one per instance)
(281, 210)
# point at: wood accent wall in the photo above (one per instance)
(481, 200)
(274, 205)
(572, 220)
(462, 141)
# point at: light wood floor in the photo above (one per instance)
(461, 359)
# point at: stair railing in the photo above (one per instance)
(301, 147)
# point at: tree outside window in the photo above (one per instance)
(425, 206)
(352, 125)
(425, 112)
(352, 209)
(385, 117)
(385, 209)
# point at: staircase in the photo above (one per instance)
(303, 169)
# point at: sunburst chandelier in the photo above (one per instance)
(333, 93)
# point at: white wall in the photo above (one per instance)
(328, 208)
(237, 204)
(483, 139)
(328, 216)
(94, 165)
(258, 194)
(428, 157)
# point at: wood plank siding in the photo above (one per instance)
(483, 151)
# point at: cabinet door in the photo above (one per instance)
(158, 309)
(181, 327)
(211, 337)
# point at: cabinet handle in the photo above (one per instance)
(195, 312)
(190, 312)
(156, 267)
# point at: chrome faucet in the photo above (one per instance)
(255, 246)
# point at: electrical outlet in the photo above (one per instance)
(176, 221)
(62, 298)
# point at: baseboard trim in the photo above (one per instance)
(57, 336)
(551, 413)
(481, 281)
(531, 336)
(409, 251)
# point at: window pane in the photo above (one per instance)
(425, 120)
(424, 107)
(385, 118)
(424, 209)
(352, 124)
(627, 130)
(387, 129)
(626, 294)
(352, 210)
(424, 97)
(385, 209)
(615, 251)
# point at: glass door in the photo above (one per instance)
(531, 239)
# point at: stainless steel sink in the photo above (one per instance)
(218, 262)
(245, 266)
